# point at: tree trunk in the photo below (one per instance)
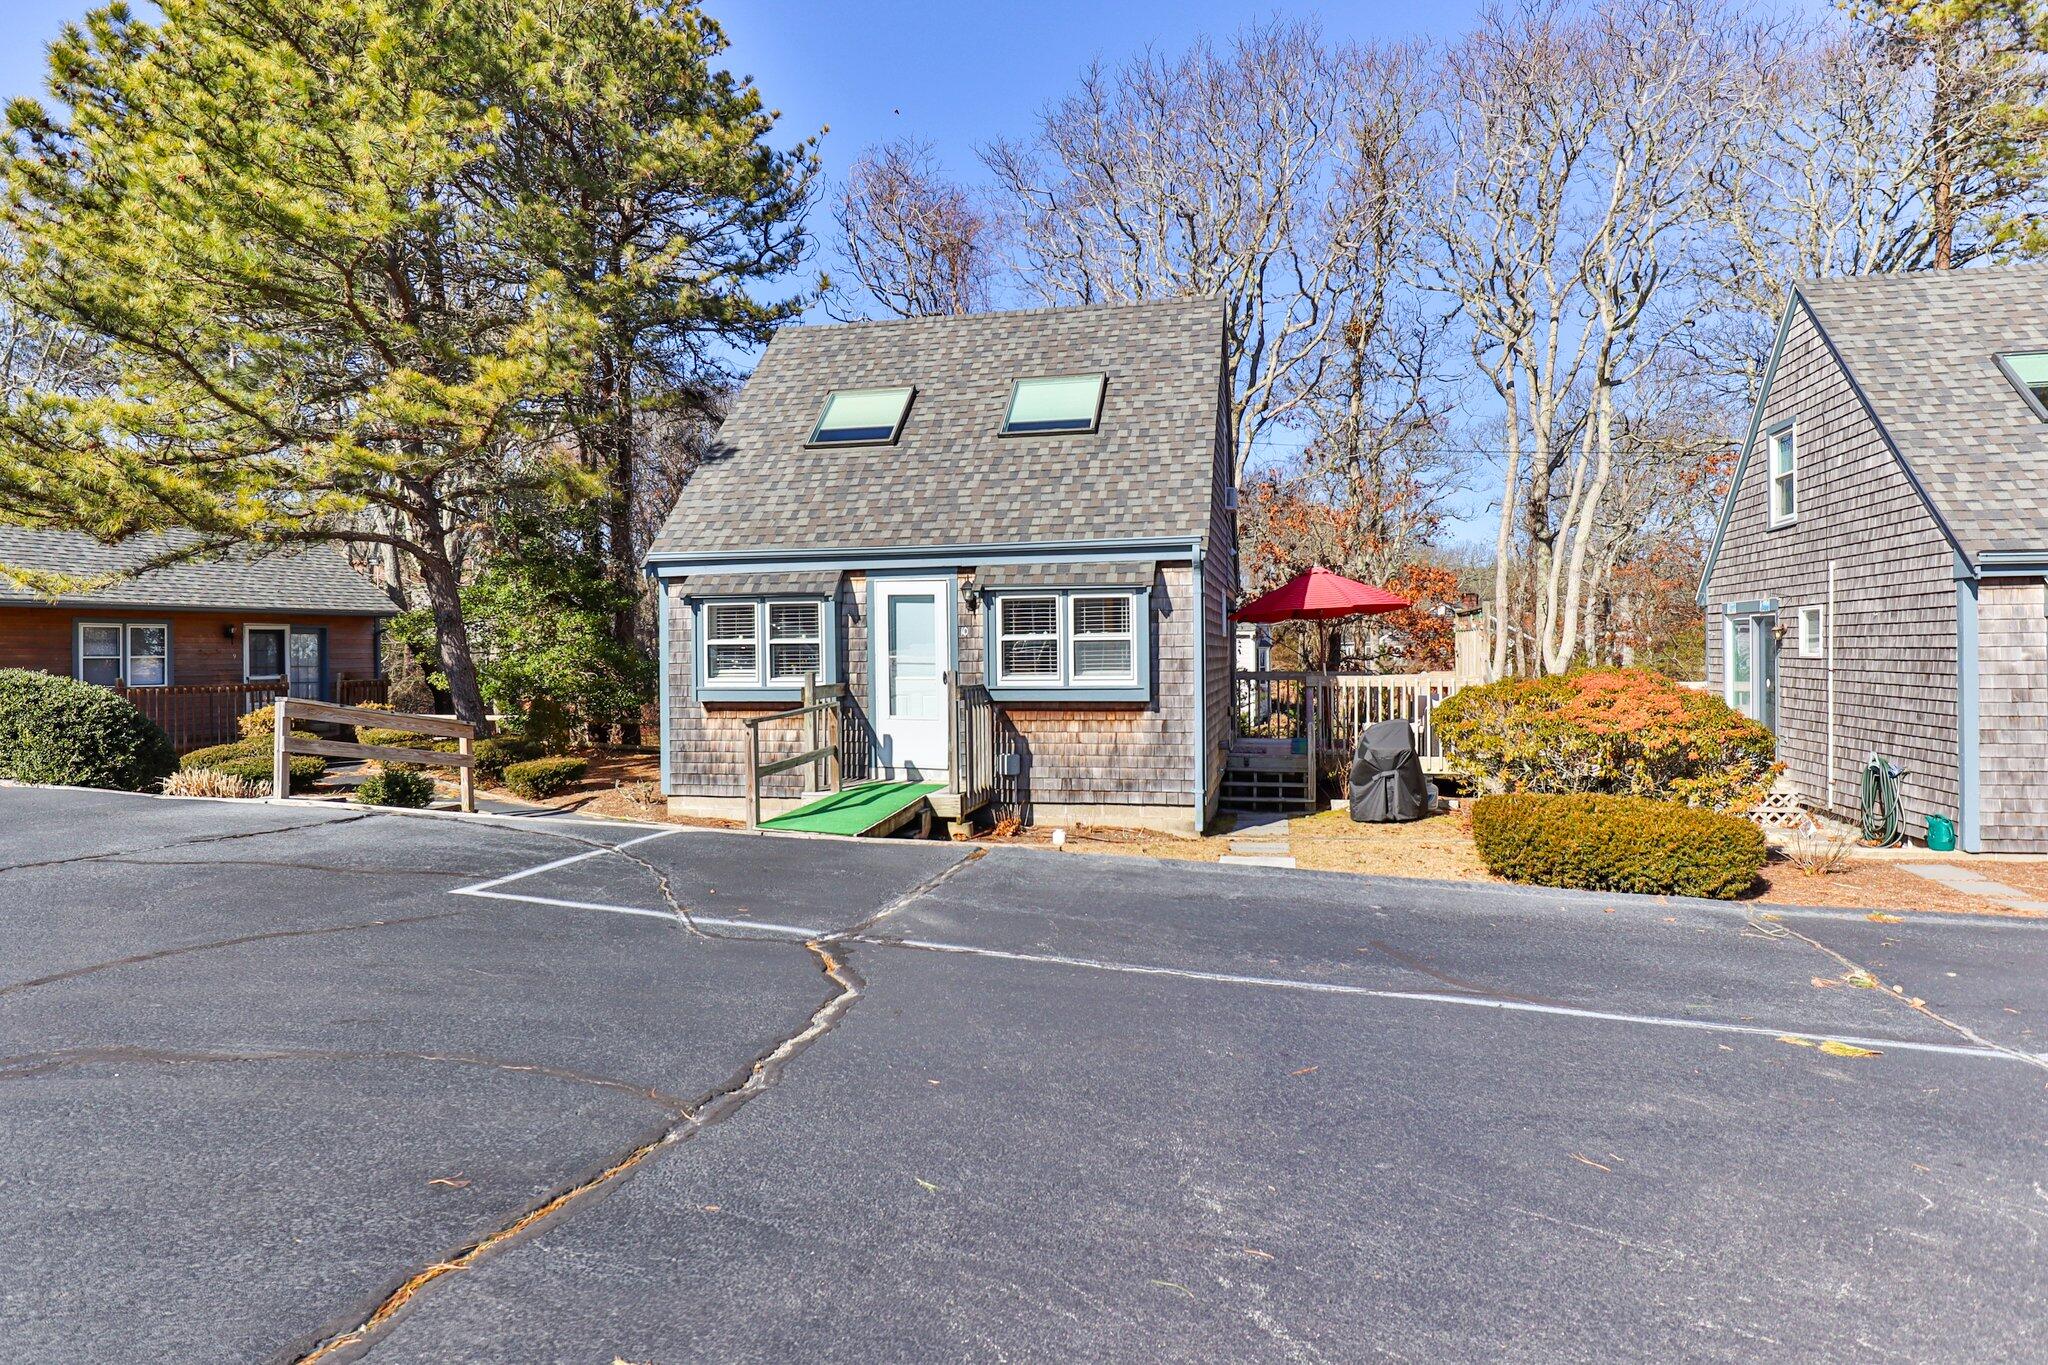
(451, 634)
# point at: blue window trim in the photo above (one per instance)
(1141, 647)
(828, 650)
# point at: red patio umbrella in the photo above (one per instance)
(1320, 595)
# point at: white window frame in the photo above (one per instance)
(760, 680)
(1057, 636)
(1072, 637)
(1813, 619)
(768, 641)
(284, 652)
(1133, 679)
(1785, 435)
(127, 654)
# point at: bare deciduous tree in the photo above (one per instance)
(1213, 173)
(921, 245)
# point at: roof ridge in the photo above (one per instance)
(1189, 301)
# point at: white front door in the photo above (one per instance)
(912, 633)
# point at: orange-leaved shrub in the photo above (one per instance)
(1609, 731)
(1617, 843)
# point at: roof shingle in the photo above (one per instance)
(316, 578)
(950, 478)
(1922, 348)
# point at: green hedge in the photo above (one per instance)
(1617, 843)
(495, 755)
(70, 733)
(394, 787)
(543, 777)
(252, 759)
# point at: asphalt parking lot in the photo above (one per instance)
(280, 1082)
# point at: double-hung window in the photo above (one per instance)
(763, 645)
(1088, 644)
(1784, 450)
(137, 653)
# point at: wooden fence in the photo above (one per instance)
(292, 709)
(361, 691)
(201, 714)
(1328, 710)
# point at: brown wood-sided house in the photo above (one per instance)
(1032, 503)
(1879, 578)
(300, 618)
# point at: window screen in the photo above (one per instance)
(732, 642)
(1028, 640)
(795, 640)
(149, 656)
(1068, 403)
(861, 417)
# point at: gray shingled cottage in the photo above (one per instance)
(1879, 578)
(1011, 523)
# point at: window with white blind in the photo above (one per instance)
(131, 653)
(1079, 643)
(758, 646)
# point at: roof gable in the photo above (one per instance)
(951, 478)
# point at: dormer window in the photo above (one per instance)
(2028, 371)
(1061, 403)
(861, 417)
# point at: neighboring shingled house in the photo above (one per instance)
(1879, 578)
(1035, 503)
(303, 616)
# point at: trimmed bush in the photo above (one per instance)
(493, 756)
(394, 787)
(74, 734)
(251, 760)
(1617, 843)
(538, 778)
(1619, 731)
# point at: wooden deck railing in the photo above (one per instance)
(971, 766)
(1324, 712)
(820, 713)
(361, 691)
(201, 714)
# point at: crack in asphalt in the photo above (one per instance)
(158, 955)
(1779, 929)
(119, 853)
(56, 1059)
(712, 1109)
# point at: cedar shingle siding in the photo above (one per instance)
(1923, 479)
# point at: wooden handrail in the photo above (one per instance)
(284, 745)
(818, 700)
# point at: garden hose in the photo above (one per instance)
(1881, 803)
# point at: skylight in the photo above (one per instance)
(2028, 371)
(1063, 403)
(861, 417)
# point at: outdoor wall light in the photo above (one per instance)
(970, 592)
(228, 630)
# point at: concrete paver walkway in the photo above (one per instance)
(1970, 882)
(1259, 840)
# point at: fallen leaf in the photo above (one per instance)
(449, 1181)
(1796, 1042)
(711, 1208)
(1170, 1284)
(1773, 918)
(1304, 1071)
(1884, 917)
(1594, 1164)
(928, 1186)
(1917, 1003)
(1835, 1049)
(1254, 1251)
(1862, 980)
(1825, 981)
(931, 1082)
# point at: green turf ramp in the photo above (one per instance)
(855, 810)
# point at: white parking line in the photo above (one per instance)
(479, 887)
(792, 930)
(1444, 998)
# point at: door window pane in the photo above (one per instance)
(149, 656)
(304, 654)
(1739, 669)
(913, 663)
(266, 654)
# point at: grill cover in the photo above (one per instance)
(1386, 775)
